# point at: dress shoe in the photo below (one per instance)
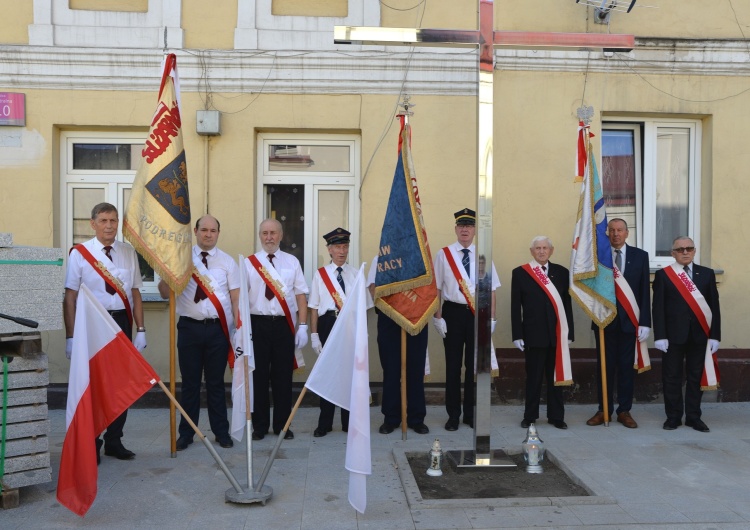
(627, 420)
(525, 423)
(258, 435)
(596, 419)
(99, 443)
(420, 428)
(119, 452)
(698, 425)
(225, 442)
(560, 424)
(451, 425)
(289, 435)
(345, 429)
(671, 425)
(319, 433)
(386, 428)
(183, 442)
(469, 422)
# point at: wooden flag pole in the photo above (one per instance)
(603, 358)
(403, 384)
(280, 439)
(172, 411)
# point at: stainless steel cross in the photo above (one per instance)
(486, 39)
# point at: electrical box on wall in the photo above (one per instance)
(208, 123)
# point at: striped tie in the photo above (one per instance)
(340, 279)
(465, 261)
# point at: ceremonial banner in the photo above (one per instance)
(243, 353)
(107, 375)
(592, 283)
(157, 221)
(405, 288)
(342, 376)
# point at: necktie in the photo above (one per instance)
(340, 279)
(269, 292)
(200, 294)
(618, 259)
(465, 261)
(687, 271)
(108, 287)
(544, 269)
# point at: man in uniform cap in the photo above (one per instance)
(327, 298)
(455, 276)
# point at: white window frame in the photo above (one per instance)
(646, 199)
(113, 182)
(313, 182)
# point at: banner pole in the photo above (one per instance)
(403, 384)
(603, 358)
(172, 342)
(248, 423)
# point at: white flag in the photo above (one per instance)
(242, 344)
(342, 376)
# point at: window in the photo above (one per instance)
(651, 178)
(310, 183)
(98, 167)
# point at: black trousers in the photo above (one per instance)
(114, 430)
(389, 347)
(202, 349)
(459, 349)
(273, 346)
(540, 364)
(620, 353)
(691, 355)
(327, 409)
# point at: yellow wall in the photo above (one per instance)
(209, 25)
(15, 21)
(133, 6)
(319, 8)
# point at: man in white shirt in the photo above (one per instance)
(110, 269)
(277, 292)
(327, 297)
(454, 321)
(207, 309)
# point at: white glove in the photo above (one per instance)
(643, 333)
(662, 344)
(714, 345)
(300, 339)
(519, 344)
(69, 347)
(492, 326)
(140, 341)
(317, 346)
(440, 326)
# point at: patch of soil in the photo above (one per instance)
(491, 483)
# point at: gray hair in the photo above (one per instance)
(541, 238)
(103, 207)
(675, 240)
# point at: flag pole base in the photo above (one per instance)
(249, 495)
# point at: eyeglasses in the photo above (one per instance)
(680, 250)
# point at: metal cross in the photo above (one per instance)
(486, 40)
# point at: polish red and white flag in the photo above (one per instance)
(107, 375)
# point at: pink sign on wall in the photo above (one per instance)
(12, 108)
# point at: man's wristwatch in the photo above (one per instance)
(141, 329)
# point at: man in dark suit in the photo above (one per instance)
(534, 326)
(680, 333)
(621, 334)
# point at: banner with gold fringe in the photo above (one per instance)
(157, 220)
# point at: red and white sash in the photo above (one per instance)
(465, 288)
(699, 306)
(274, 282)
(463, 284)
(204, 281)
(334, 289)
(563, 370)
(99, 265)
(625, 296)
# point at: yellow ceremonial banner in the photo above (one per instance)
(157, 221)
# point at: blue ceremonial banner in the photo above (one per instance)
(592, 283)
(405, 287)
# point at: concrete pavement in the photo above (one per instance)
(653, 478)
